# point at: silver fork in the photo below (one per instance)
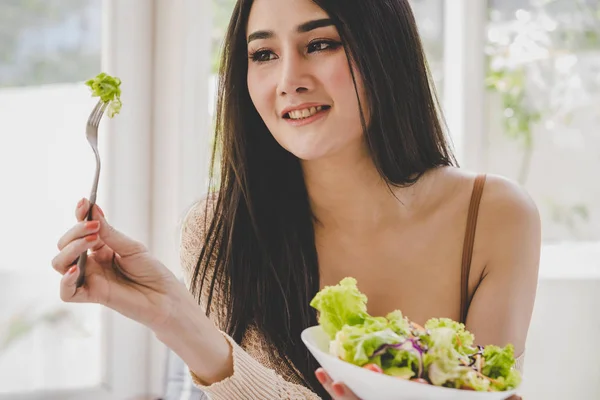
(91, 133)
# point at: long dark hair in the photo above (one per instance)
(260, 247)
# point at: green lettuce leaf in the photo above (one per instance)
(401, 362)
(339, 305)
(462, 340)
(400, 372)
(470, 379)
(499, 364)
(398, 323)
(442, 361)
(356, 344)
(108, 89)
(511, 381)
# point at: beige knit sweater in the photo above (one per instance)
(257, 373)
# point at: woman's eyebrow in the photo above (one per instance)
(302, 28)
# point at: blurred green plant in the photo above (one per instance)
(577, 31)
(519, 118)
(526, 95)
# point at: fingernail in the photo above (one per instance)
(80, 203)
(338, 388)
(91, 238)
(92, 225)
(72, 270)
(100, 210)
(320, 377)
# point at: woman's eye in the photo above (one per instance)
(262, 56)
(322, 45)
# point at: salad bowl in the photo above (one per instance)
(369, 385)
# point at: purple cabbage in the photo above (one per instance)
(415, 349)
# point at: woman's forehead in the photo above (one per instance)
(282, 15)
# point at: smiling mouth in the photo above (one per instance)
(299, 115)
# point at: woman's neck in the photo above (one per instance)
(346, 192)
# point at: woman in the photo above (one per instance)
(334, 164)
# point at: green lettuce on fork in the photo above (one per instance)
(108, 88)
(442, 353)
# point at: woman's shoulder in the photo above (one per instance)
(508, 220)
(507, 204)
(198, 216)
(502, 198)
(194, 227)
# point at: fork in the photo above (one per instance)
(91, 133)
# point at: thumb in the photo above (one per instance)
(122, 244)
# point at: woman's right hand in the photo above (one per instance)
(119, 274)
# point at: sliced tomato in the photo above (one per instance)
(373, 367)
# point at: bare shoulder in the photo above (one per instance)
(509, 224)
(508, 205)
(501, 197)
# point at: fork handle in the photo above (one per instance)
(82, 261)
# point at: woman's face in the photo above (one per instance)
(300, 81)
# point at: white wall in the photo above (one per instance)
(562, 346)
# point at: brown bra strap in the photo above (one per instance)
(469, 240)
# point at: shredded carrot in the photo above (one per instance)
(417, 326)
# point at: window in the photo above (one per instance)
(543, 91)
(47, 48)
(430, 21)
(222, 10)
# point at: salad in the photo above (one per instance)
(441, 353)
(108, 89)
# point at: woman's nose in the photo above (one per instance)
(294, 77)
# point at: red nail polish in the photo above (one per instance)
(80, 203)
(92, 225)
(72, 270)
(320, 377)
(100, 210)
(338, 388)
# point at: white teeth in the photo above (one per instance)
(307, 112)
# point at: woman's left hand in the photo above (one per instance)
(339, 391)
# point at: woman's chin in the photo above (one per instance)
(309, 154)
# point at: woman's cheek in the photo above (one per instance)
(340, 86)
(338, 76)
(262, 90)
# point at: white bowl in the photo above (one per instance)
(369, 385)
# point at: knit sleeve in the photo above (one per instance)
(250, 379)
(193, 233)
